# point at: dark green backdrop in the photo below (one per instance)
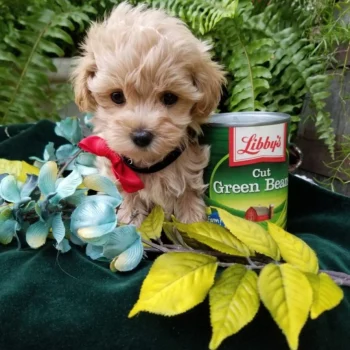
(75, 303)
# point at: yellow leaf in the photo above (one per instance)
(214, 236)
(151, 227)
(5, 213)
(168, 229)
(287, 294)
(181, 238)
(176, 283)
(326, 294)
(251, 234)
(208, 210)
(17, 168)
(294, 250)
(234, 302)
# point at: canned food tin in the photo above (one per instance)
(248, 169)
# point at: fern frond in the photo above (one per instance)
(251, 77)
(295, 72)
(25, 54)
(201, 15)
(245, 56)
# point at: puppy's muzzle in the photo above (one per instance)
(141, 138)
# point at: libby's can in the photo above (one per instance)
(248, 170)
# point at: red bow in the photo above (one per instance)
(128, 179)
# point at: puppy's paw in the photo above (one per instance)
(193, 216)
(190, 208)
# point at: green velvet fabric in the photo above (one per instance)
(71, 302)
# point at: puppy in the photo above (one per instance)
(151, 84)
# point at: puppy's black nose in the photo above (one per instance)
(142, 138)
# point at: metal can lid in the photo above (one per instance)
(248, 119)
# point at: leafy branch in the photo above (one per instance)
(273, 267)
(340, 278)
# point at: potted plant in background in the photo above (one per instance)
(276, 54)
(331, 35)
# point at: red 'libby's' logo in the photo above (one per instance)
(254, 144)
(258, 144)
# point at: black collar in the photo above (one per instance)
(170, 158)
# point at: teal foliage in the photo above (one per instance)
(62, 208)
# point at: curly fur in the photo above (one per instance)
(145, 53)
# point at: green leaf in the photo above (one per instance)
(234, 302)
(7, 56)
(129, 258)
(37, 234)
(251, 234)
(214, 236)
(58, 33)
(202, 16)
(151, 227)
(50, 47)
(287, 294)
(173, 276)
(63, 21)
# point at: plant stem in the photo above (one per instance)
(339, 278)
(24, 71)
(75, 156)
(156, 247)
(167, 248)
(19, 244)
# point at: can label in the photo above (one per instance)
(250, 145)
(249, 177)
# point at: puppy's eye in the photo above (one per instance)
(169, 99)
(118, 97)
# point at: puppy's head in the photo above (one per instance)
(148, 79)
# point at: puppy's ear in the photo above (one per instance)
(208, 76)
(85, 69)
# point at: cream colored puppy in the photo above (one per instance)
(151, 84)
